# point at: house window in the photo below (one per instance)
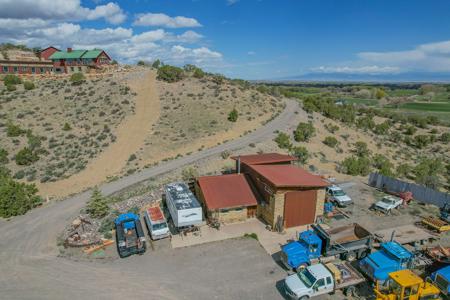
(72, 69)
(24, 69)
(41, 70)
(79, 69)
(16, 69)
(33, 70)
(5, 69)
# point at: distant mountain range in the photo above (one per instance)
(400, 77)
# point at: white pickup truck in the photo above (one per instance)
(322, 279)
(337, 195)
(387, 204)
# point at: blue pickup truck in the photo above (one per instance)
(390, 258)
(129, 235)
(349, 242)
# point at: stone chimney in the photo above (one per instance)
(69, 49)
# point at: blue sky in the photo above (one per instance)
(251, 39)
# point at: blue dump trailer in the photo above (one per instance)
(441, 279)
(129, 235)
(390, 258)
(349, 242)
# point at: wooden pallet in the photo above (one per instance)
(436, 223)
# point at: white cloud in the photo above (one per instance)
(356, 70)
(189, 37)
(251, 53)
(430, 57)
(163, 20)
(66, 10)
(180, 54)
(149, 36)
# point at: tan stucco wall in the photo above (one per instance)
(320, 202)
(233, 216)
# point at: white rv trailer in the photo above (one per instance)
(182, 204)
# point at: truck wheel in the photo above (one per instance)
(350, 291)
(303, 298)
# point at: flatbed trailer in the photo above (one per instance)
(407, 234)
(436, 224)
(347, 278)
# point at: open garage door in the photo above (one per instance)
(299, 208)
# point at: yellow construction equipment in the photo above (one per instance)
(436, 223)
(405, 285)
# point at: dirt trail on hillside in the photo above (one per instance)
(130, 135)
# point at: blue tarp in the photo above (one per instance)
(126, 217)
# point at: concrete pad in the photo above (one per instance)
(271, 241)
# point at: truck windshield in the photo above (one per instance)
(307, 278)
(387, 201)
(339, 193)
(159, 226)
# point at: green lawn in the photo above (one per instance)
(368, 102)
(424, 106)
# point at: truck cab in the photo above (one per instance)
(388, 203)
(129, 235)
(390, 258)
(311, 281)
(300, 253)
(441, 279)
(405, 285)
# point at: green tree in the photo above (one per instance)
(361, 149)
(97, 206)
(283, 141)
(445, 137)
(156, 64)
(16, 198)
(13, 130)
(330, 141)
(170, 73)
(354, 165)
(233, 115)
(3, 156)
(404, 170)
(189, 174)
(11, 79)
(301, 153)
(380, 93)
(28, 85)
(198, 73)
(427, 172)
(141, 63)
(421, 141)
(383, 165)
(66, 127)
(26, 157)
(304, 132)
(77, 78)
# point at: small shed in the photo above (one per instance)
(290, 195)
(226, 198)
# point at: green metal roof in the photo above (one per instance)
(74, 54)
(92, 53)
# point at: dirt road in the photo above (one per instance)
(130, 135)
(31, 268)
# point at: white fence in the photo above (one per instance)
(420, 193)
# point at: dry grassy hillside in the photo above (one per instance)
(61, 126)
(194, 115)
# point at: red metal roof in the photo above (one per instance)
(264, 158)
(289, 176)
(155, 213)
(226, 191)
